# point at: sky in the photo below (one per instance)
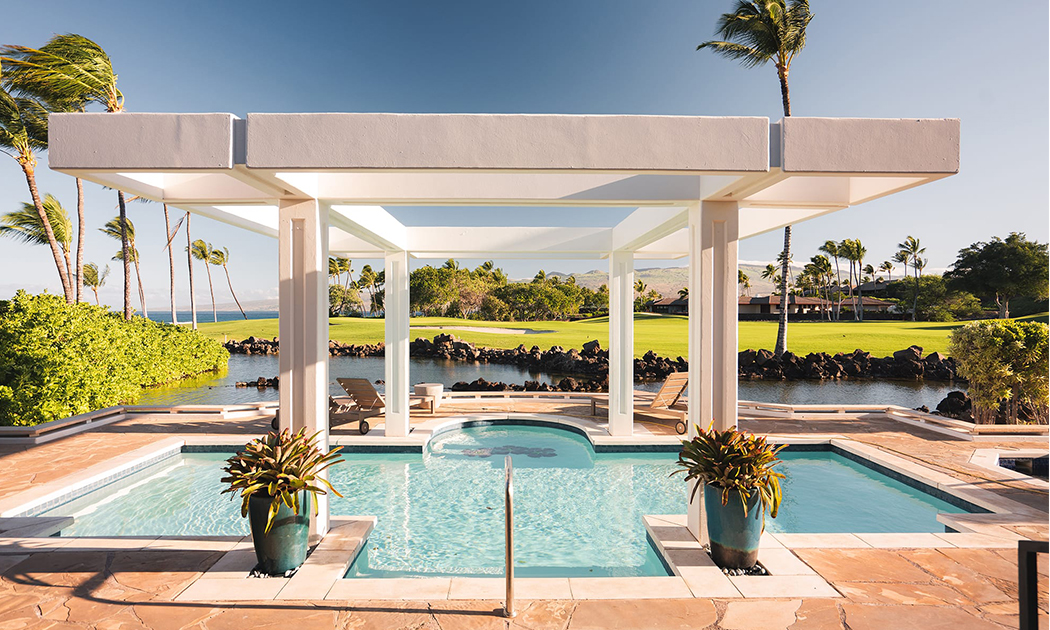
(886, 59)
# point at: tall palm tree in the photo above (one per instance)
(171, 261)
(25, 225)
(912, 251)
(189, 263)
(860, 252)
(221, 257)
(93, 279)
(122, 229)
(744, 281)
(70, 71)
(204, 251)
(23, 132)
(683, 293)
(756, 32)
(640, 287)
(831, 248)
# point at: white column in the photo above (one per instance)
(302, 248)
(396, 326)
(713, 235)
(621, 343)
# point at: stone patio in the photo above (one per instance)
(901, 588)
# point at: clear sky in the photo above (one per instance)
(888, 59)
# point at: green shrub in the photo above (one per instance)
(58, 359)
(1006, 364)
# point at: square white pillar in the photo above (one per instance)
(302, 249)
(396, 326)
(713, 235)
(621, 343)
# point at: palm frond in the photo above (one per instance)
(749, 56)
(25, 225)
(112, 229)
(69, 69)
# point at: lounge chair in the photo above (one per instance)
(368, 401)
(664, 404)
(339, 412)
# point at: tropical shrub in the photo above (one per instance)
(1006, 364)
(732, 461)
(59, 359)
(280, 466)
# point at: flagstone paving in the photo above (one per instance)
(925, 589)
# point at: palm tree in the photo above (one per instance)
(451, 264)
(744, 281)
(911, 250)
(541, 276)
(69, 72)
(831, 248)
(23, 131)
(770, 273)
(756, 32)
(93, 280)
(189, 263)
(888, 267)
(860, 252)
(640, 287)
(683, 293)
(25, 225)
(221, 257)
(121, 228)
(204, 251)
(171, 260)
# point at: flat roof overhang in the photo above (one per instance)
(237, 170)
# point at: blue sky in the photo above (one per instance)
(886, 59)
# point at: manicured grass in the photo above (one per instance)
(665, 334)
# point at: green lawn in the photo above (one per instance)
(666, 334)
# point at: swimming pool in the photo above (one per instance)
(439, 513)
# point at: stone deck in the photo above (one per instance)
(881, 585)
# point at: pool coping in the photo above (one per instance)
(693, 576)
(988, 458)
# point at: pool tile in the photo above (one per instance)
(315, 578)
(196, 543)
(903, 541)
(420, 589)
(783, 586)
(629, 588)
(820, 541)
(31, 545)
(969, 540)
(479, 588)
(708, 582)
(768, 541)
(696, 557)
(783, 562)
(234, 564)
(222, 590)
(124, 543)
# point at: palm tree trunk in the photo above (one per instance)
(785, 93)
(782, 328)
(138, 278)
(189, 260)
(915, 298)
(214, 314)
(171, 263)
(95, 291)
(838, 289)
(56, 251)
(81, 230)
(69, 263)
(231, 291)
(126, 254)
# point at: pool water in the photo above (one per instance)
(577, 512)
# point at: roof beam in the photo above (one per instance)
(372, 224)
(647, 225)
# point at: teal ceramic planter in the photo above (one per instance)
(284, 547)
(734, 535)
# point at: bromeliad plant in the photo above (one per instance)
(733, 461)
(280, 466)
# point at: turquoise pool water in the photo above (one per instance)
(577, 513)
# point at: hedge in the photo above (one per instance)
(59, 360)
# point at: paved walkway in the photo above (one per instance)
(926, 589)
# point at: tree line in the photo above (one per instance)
(68, 74)
(483, 293)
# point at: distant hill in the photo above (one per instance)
(667, 280)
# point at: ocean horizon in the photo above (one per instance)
(205, 316)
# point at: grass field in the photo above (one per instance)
(665, 334)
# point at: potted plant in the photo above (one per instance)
(278, 478)
(742, 486)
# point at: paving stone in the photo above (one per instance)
(544, 615)
(124, 620)
(388, 615)
(872, 617)
(817, 614)
(967, 581)
(273, 617)
(985, 562)
(469, 615)
(173, 617)
(768, 615)
(911, 594)
(669, 614)
(862, 565)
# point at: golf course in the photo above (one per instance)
(663, 334)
